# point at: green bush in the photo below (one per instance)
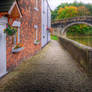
(80, 29)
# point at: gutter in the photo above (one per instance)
(49, 5)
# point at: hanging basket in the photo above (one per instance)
(10, 30)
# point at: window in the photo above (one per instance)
(36, 32)
(17, 36)
(36, 4)
(43, 6)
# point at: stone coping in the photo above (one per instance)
(77, 44)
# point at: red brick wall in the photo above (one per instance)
(29, 19)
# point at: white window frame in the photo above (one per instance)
(15, 39)
(36, 32)
(36, 5)
(17, 24)
(18, 34)
(18, 30)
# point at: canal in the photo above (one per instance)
(85, 40)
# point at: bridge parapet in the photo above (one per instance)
(71, 20)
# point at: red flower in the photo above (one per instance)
(48, 28)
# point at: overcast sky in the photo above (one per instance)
(55, 3)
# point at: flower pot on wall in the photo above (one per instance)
(49, 29)
(17, 50)
(19, 47)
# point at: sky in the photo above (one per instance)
(55, 3)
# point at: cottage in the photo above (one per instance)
(9, 12)
(21, 31)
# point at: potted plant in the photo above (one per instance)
(49, 29)
(10, 30)
(36, 42)
(17, 48)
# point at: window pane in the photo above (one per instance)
(18, 35)
(36, 3)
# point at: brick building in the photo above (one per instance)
(26, 17)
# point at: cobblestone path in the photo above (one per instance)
(51, 70)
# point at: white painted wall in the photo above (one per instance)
(3, 22)
(49, 22)
(46, 22)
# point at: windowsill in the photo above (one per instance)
(36, 42)
(17, 50)
(36, 9)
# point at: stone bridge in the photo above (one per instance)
(60, 26)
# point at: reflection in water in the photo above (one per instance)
(86, 40)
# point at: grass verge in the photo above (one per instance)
(54, 37)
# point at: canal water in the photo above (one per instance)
(85, 40)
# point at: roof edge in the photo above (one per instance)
(11, 8)
(49, 5)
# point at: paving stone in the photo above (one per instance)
(51, 70)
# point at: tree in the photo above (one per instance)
(54, 15)
(67, 12)
(83, 11)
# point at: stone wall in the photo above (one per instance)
(57, 31)
(31, 17)
(81, 53)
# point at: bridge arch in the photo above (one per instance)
(64, 30)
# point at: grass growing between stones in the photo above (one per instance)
(54, 37)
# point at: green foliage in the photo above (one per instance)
(67, 12)
(10, 30)
(83, 9)
(80, 29)
(53, 37)
(54, 15)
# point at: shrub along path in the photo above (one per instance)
(51, 70)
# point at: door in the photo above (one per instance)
(2, 50)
